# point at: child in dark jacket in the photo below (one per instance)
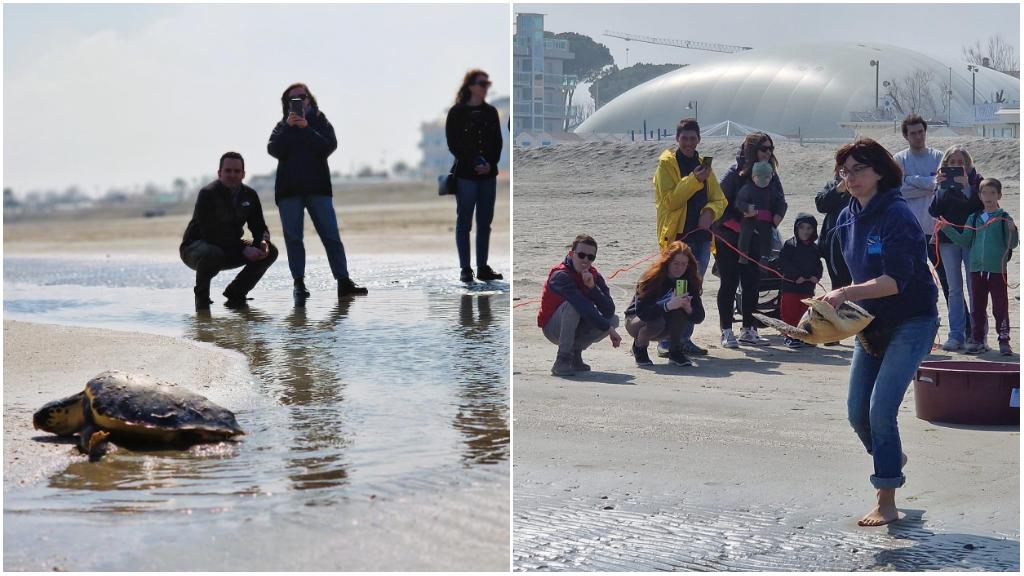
(800, 263)
(755, 200)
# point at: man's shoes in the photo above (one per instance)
(1004, 349)
(750, 336)
(678, 358)
(486, 274)
(466, 275)
(299, 290)
(952, 345)
(202, 298)
(975, 348)
(663, 348)
(640, 354)
(691, 349)
(346, 287)
(563, 366)
(729, 339)
(236, 302)
(577, 362)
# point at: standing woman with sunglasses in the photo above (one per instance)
(301, 142)
(884, 246)
(473, 131)
(757, 147)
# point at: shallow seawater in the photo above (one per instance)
(401, 392)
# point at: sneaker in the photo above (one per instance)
(1004, 349)
(202, 298)
(691, 349)
(563, 366)
(299, 290)
(728, 339)
(952, 345)
(793, 342)
(466, 275)
(836, 343)
(640, 354)
(663, 348)
(974, 348)
(577, 362)
(678, 358)
(750, 336)
(346, 287)
(486, 274)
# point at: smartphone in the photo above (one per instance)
(706, 161)
(953, 171)
(295, 106)
(681, 287)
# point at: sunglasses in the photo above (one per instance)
(585, 256)
(484, 83)
(302, 96)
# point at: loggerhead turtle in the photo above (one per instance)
(823, 323)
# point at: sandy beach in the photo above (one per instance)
(746, 461)
(323, 501)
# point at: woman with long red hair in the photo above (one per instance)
(667, 300)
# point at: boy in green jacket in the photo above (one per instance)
(991, 235)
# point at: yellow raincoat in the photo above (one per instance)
(671, 193)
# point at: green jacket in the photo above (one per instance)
(989, 244)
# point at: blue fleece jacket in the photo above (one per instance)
(885, 238)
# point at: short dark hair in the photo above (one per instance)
(867, 151)
(584, 239)
(993, 183)
(910, 121)
(234, 155)
(689, 124)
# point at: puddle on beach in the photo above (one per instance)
(377, 398)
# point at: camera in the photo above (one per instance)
(296, 106)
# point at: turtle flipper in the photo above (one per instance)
(781, 326)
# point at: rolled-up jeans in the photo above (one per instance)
(571, 332)
(702, 252)
(321, 212)
(877, 387)
(954, 261)
(479, 195)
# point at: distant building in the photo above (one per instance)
(437, 159)
(538, 83)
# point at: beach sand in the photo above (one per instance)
(746, 461)
(455, 526)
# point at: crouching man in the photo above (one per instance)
(576, 308)
(213, 240)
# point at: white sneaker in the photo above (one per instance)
(750, 336)
(728, 339)
(663, 349)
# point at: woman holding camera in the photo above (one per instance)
(301, 142)
(956, 198)
(473, 131)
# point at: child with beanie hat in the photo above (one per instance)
(754, 201)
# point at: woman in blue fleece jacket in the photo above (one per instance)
(884, 246)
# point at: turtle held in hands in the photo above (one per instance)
(822, 323)
(133, 409)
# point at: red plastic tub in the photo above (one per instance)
(968, 392)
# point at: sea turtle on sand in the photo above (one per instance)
(822, 323)
(133, 409)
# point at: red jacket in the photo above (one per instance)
(594, 304)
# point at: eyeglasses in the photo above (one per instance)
(853, 171)
(484, 83)
(585, 256)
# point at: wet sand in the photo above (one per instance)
(747, 461)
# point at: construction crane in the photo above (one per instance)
(709, 46)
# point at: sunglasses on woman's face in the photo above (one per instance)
(303, 96)
(585, 256)
(484, 83)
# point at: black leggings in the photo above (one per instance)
(733, 274)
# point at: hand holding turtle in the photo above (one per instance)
(835, 298)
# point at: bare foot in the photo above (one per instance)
(884, 513)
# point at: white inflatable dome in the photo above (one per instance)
(804, 88)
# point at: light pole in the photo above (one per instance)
(974, 72)
(692, 105)
(874, 64)
(949, 97)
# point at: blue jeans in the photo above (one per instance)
(321, 212)
(877, 387)
(955, 260)
(470, 194)
(702, 252)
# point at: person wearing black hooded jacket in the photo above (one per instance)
(800, 264)
(830, 202)
(301, 143)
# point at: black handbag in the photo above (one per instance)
(446, 182)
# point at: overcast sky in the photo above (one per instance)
(938, 30)
(119, 95)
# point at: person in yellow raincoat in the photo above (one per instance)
(688, 199)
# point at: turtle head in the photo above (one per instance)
(63, 417)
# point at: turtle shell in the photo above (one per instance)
(135, 407)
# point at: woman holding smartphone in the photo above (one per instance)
(667, 301)
(956, 198)
(301, 142)
(473, 131)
